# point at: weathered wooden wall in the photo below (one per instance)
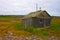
(27, 22)
(37, 22)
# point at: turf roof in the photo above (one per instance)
(36, 13)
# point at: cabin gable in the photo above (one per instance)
(38, 19)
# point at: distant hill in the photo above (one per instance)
(18, 16)
(56, 16)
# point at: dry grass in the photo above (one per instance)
(54, 29)
(6, 23)
(56, 20)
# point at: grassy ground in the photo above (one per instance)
(14, 25)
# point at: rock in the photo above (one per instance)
(0, 38)
(27, 38)
(33, 37)
(52, 38)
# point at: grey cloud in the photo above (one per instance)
(25, 6)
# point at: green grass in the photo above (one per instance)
(5, 18)
(8, 18)
(37, 31)
(33, 30)
(54, 26)
(18, 26)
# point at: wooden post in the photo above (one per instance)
(36, 6)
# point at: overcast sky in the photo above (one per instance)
(23, 7)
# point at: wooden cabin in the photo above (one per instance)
(39, 18)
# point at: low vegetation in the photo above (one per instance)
(15, 26)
